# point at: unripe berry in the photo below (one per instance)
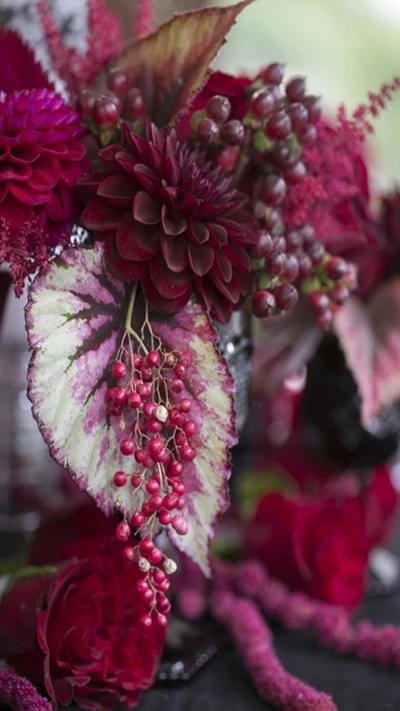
(262, 104)
(295, 89)
(85, 103)
(286, 296)
(106, 111)
(233, 132)
(273, 73)
(118, 81)
(134, 103)
(273, 190)
(170, 566)
(263, 304)
(207, 131)
(219, 108)
(123, 531)
(279, 126)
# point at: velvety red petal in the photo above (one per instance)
(224, 265)
(174, 251)
(108, 156)
(161, 304)
(15, 171)
(172, 225)
(147, 178)
(117, 190)
(92, 180)
(100, 216)
(201, 258)
(135, 241)
(46, 173)
(238, 256)
(25, 153)
(198, 232)
(172, 171)
(169, 284)
(230, 290)
(145, 209)
(25, 194)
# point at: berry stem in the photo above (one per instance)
(128, 321)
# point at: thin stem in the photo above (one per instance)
(128, 321)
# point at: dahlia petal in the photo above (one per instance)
(25, 194)
(15, 171)
(100, 216)
(46, 173)
(137, 145)
(147, 178)
(219, 308)
(76, 149)
(169, 284)
(172, 225)
(174, 251)
(25, 153)
(230, 290)
(238, 256)
(58, 149)
(154, 135)
(172, 171)
(135, 241)
(225, 266)
(198, 232)
(169, 196)
(219, 233)
(15, 212)
(117, 190)
(145, 209)
(3, 191)
(161, 304)
(126, 162)
(54, 208)
(108, 154)
(92, 180)
(121, 268)
(201, 258)
(70, 173)
(188, 203)
(155, 156)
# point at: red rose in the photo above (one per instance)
(78, 629)
(317, 546)
(223, 85)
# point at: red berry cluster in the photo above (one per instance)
(330, 288)
(120, 100)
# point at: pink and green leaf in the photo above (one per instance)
(172, 64)
(369, 334)
(75, 320)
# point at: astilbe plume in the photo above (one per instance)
(18, 694)
(104, 41)
(172, 222)
(42, 159)
(145, 19)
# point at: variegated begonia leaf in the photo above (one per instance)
(75, 320)
(172, 64)
(369, 334)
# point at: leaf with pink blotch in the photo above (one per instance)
(172, 64)
(75, 320)
(369, 334)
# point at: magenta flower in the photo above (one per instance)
(172, 222)
(18, 694)
(41, 159)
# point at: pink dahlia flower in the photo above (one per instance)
(41, 159)
(171, 222)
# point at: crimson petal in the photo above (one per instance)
(172, 225)
(231, 290)
(101, 217)
(159, 303)
(117, 189)
(146, 177)
(119, 267)
(198, 232)
(26, 195)
(174, 251)
(145, 209)
(169, 284)
(225, 266)
(201, 258)
(238, 256)
(135, 241)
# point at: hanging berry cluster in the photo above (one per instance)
(149, 383)
(279, 122)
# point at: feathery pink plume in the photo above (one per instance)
(145, 19)
(18, 694)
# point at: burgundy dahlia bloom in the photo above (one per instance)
(171, 222)
(41, 159)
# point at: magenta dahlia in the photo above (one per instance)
(41, 159)
(171, 222)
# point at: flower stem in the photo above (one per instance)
(128, 321)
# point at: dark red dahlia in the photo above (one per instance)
(41, 159)
(171, 222)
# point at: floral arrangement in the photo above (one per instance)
(150, 198)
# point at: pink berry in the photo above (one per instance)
(164, 585)
(177, 385)
(180, 438)
(164, 518)
(128, 553)
(147, 596)
(189, 428)
(185, 405)
(273, 73)
(142, 586)
(186, 359)
(127, 446)
(150, 408)
(179, 488)
(153, 425)
(175, 470)
(85, 103)
(120, 396)
(163, 604)
(144, 390)
(180, 370)
(146, 621)
(134, 103)
(162, 456)
(120, 479)
(180, 524)
(263, 304)
(136, 481)
(155, 446)
(118, 81)
(123, 531)
(137, 361)
(119, 369)
(187, 452)
(134, 400)
(176, 417)
(147, 372)
(140, 456)
(170, 502)
(155, 556)
(137, 519)
(162, 621)
(147, 510)
(146, 545)
(156, 502)
(159, 576)
(152, 486)
(106, 111)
